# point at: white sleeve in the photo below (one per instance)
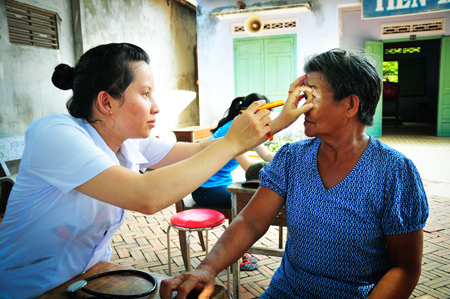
(154, 150)
(63, 154)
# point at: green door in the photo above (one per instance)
(280, 66)
(443, 118)
(249, 63)
(266, 65)
(376, 48)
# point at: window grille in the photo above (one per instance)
(30, 25)
(435, 25)
(269, 25)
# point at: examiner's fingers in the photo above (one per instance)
(297, 95)
(254, 106)
(298, 82)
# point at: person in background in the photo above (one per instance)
(355, 207)
(80, 172)
(214, 193)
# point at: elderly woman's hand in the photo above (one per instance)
(202, 279)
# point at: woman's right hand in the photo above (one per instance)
(249, 129)
(201, 279)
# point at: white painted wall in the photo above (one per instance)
(356, 31)
(317, 32)
(26, 90)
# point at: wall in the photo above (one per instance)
(26, 90)
(167, 33)
(215, 49)
(357, 31)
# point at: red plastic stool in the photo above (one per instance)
(194, 220)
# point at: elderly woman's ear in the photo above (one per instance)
(352, 105)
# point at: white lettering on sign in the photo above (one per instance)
(379, 5)
(403, 4)
(384, 8)
(390, 5)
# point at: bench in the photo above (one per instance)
(192, 134)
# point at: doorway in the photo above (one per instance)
(411, 87)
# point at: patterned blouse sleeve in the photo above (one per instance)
(406, 207)
(275, 175)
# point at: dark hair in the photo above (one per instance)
(350, 73)
(103, 68)
(237, 105)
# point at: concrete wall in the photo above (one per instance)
(167, 33)
(26, 90)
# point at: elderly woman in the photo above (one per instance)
(355, 207)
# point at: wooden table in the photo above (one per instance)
(240, 196)
(117, 284)
(192, 134)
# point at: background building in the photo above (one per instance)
(233, 63)
(37, 35)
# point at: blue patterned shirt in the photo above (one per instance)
(336, 246)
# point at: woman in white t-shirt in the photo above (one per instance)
(79, 173)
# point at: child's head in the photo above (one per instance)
(238, 104)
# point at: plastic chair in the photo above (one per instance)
(188, 203)
(195, 220)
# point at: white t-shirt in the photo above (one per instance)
(51, 232)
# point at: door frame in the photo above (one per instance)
(419, 38)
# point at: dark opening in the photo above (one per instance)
(410, 105)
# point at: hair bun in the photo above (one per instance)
(63, 76)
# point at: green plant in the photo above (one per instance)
(277, 144)
(390, 71)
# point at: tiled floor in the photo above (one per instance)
(141, 242)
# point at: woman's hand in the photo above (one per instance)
(202, 279)
(291, 111)
(248, 129)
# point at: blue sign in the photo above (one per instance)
(389, 8)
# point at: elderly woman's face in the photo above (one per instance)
(326, 116)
